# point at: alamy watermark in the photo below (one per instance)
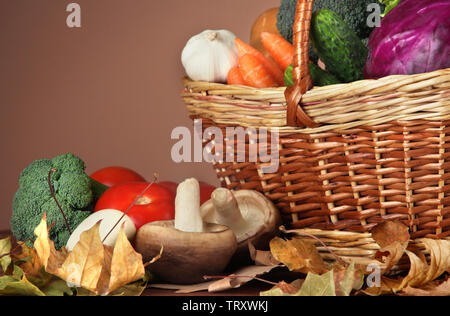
(74, 17)
(73, 20)
(374, 18)
(236, 145)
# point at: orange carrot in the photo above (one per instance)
(281, 50)
(254, 73)
(235, 77)
(273, 69)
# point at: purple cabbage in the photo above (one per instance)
(413, 38)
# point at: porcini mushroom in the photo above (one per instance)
(191, 247)
(250, 215)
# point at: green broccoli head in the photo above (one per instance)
(75, 191)
(353, 12)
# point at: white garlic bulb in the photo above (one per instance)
(210, 55)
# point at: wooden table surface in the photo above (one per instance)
(252, 288)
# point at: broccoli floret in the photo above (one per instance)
(353, 12)
(75, 191)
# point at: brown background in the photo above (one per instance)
(109, 91)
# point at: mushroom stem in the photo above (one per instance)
(187, 207)
(249, 214)
(227, 210)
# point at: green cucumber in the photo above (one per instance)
(288, 81)
(319, 77)
(338, 46)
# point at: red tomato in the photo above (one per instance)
(157, 204)
(205, 189)
(112, 176)
(205, 192)
(172, 186)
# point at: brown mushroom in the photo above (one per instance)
(191, 248)
(250, 215)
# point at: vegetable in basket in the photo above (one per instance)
(254, 73)
(390, 4)
(235, 77)
(271, 66)
(343, 53)
(75, 191)
(413, 38)
(210, 55)
(281, 50)
(353, 12)
(266, 22)
(319, 76)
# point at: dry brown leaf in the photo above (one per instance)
(126, 265)
(433, 289)
(421, 272)
(91, 265)
(284, 289)
(393, 238)
(232, 281)
(440, 257)
(45, 248)
(298, 255)
(83, 266)
(32, 266)
(391, 255)
(260, 257)
(387, 233)
(347, 279)
(289, 288)
(239, 278)
(385, 287)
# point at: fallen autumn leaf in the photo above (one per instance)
(91, 265)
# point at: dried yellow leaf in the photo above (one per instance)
(91, 265)
(393, 238)
(298, 255)
(45, 248)
(421, 272)
(84, 265)
(126, 265)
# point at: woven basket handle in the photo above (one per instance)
(296, 116)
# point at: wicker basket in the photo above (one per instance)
(351, 155)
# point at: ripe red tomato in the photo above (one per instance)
(205, 192)
(205, 189)
(157, 204)
(112, 176)
(172, 186)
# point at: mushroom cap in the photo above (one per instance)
(262, 217)
(187, 257)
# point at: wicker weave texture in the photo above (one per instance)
(337, 107)
(382, 153)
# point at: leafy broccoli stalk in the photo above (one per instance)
(353, 12)
(42, 186)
